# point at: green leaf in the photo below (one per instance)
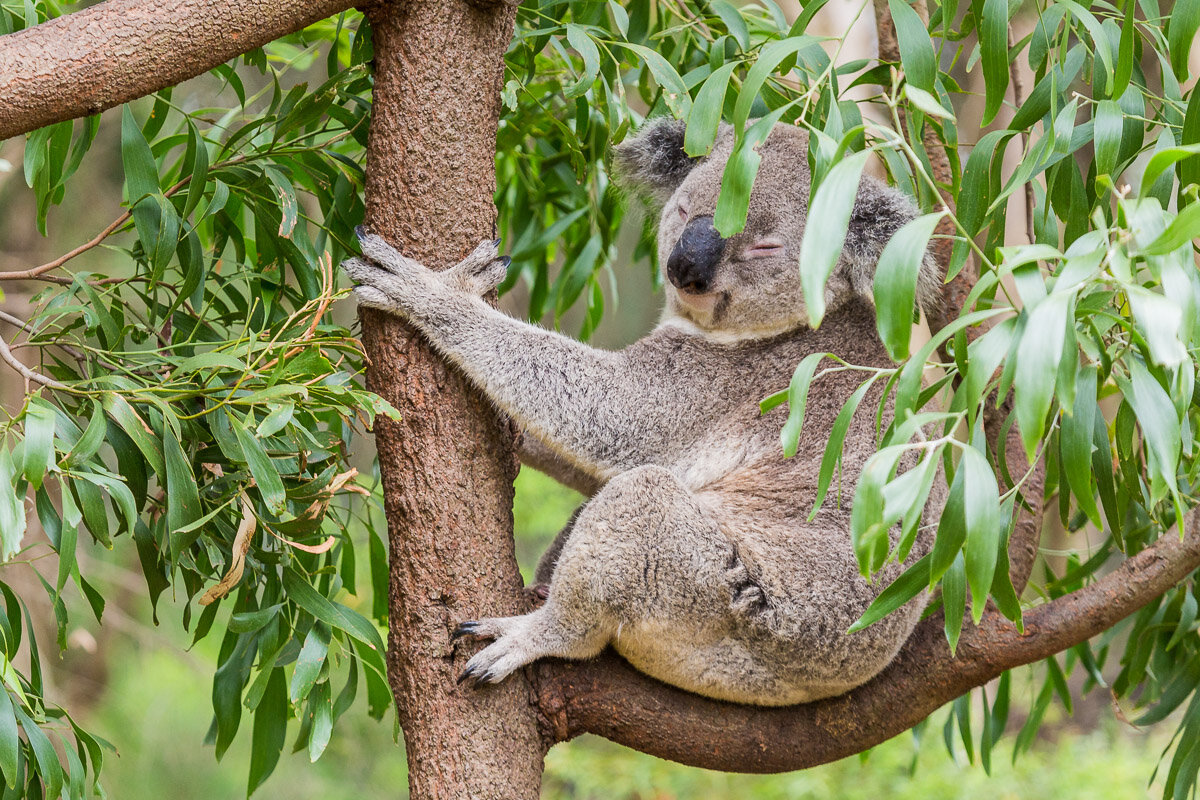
(1100, 42)
(954, 597)
(1181, 231)
(333, 614)
(183, 497)
(582, 43)
(270, 728)
(1181, 33)
(266, 476)
(249, 621)
(900, 591)
(1107, 134)
(12, 507)
(738, 179)
(1076, 442)
(1160, 320)
(1038, 357)
(837, 436)
(675, 91)
(142, 434)
(984, 526)
(278, 419)
(797, 398)
(927, 102)
(993, 43)
(48, 766)
(39, 440)
(916, 48)
(983, 358)
(10, 743)
(309, 662)
(1158, 420)
(895, 286)
(951, 530)
(89, 443)
(770, 57)
(1125, 52)
(734, 23)
(196, 155)
(322, 719)
(1165, 158)
(705, 118)
(285, 200)
(141, 173)
(829, 214)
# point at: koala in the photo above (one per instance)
(694, 558)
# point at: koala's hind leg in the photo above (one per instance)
(642, 554)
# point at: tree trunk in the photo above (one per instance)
(448, 465)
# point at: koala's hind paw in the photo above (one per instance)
(497, 661)
(746, 596)
(481, 271)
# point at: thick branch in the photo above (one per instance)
(608, 697)
(119, 50)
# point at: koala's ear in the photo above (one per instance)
(651, 163)
(880, 211)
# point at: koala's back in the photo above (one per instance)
(792, 647)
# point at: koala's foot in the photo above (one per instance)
(497, 661)
(746, 596)
(522, 640)
(479, 272)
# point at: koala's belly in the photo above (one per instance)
(721, 667)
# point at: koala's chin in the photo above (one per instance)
(695, 557)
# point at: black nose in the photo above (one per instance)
(694, 259)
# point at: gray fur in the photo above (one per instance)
(694, 559)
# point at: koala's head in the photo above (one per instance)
(748, 285)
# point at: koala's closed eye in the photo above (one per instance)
(763, 248)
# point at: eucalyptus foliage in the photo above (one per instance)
(206, 402)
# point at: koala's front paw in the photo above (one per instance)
(376, 287)
(481, 271)
(380, 252)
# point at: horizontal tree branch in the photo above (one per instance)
(119, 50)
(607, 697)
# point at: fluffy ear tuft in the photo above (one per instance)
(652, 164)
(880, 211)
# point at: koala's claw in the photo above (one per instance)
(497, 661)
(463, 629)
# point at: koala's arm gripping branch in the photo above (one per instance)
(609, 698)
(119, 50)
(581, 403)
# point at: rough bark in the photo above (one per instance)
(448, 465)
(608, 697)
(119, 50)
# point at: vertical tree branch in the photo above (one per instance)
(448, 464)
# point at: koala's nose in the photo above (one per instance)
(693, 261)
